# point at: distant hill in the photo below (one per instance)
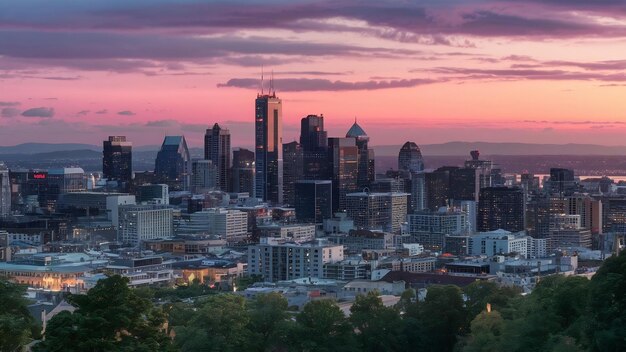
(487, 148)
(34, 148)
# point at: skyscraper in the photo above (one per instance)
(314, 143)
(410, 158)
(203, 176)
(117, 159)
(268, 132)
(217, 149)
(501, 208)
(173, 163)
(343, 157)
(562, 182)
(313, 200)
(365, 156)
(292, 171)
(243, 171)
(5, 191)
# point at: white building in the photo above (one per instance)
(276, 262)
(288, 233)
(504, 242)
(113, 203)
(340, 223)
(230, 224)
(144, 222)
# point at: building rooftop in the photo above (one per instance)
(356, 131)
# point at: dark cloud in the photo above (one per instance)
(161, 123)
(9, 112)
(83, 112)
(530, 74)
(126, 113)
(9, 103)
(100, 112)
(308, 84)
(39, 112)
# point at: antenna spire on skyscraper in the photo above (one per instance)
(261, 79)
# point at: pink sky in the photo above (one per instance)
(438, 71)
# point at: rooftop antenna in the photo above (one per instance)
(272, 90)
(261, 79)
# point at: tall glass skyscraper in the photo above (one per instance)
(268, 133)
(173, 163)
(314, 142)
(217, 149)
(117, 159)
(5, 191)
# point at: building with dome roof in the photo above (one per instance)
(366, 165)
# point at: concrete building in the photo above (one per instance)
(358, 240)
(505, 242)
(340, 223)
(113, 203)
(144, 222)
(378, 211)
(287, 232)
(153, 194)
(230, 224)
(428, 228)
(292, 261)
(204, 176)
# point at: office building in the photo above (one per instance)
(230, 224)
(289, 261)
(5, 191)
(144, 222)
(437, 186)
(359, 240)
(173, 163)
(313, 200)
(429, 228)
(410, 158)
(153, 194)
(243, 171)
(506, 242)
(501, 208)
(117, 160)
(204, 176)
(366, 171)
(343, 158)
(217, 149)
(292, 171)
(268, 132)
(284, 233)
(562, 182)
(377, 211)
(314, 143)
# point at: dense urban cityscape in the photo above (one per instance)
(312, 176)
(298, 223)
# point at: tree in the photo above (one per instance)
(486, 331)
(322, 327)
(269, 324)
(110, 317)
(220, 324)
(379, 328)
(442, 317)
(607, 306)
(16, 322)
(481, 292)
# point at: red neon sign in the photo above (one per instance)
(39, 176)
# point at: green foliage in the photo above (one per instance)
(379, 328)
(110, 317)
(219, 324)
(607, 306)
(322, 327)
(243, 282)
(269, 322)
(486, 332)
(16, 323)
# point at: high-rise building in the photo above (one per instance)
(377, 211)
(410, 158)
(343, 157)
(204, 176)
(428, 227)
(5, 191)
(437, 185)
(501, 208)
(313, 200)
(217, 149)
(365, 174)
(314, 143)
(144, 222)
(173, 163)
(243, 171)
(268, 132)
(562, 182)
(117, 159)
(153, 194)
(292, 171)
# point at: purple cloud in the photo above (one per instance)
(9, 112)
(308, 84)
(126, 113)
(9, 103)
(39, 112)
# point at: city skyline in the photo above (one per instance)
(496, 71)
